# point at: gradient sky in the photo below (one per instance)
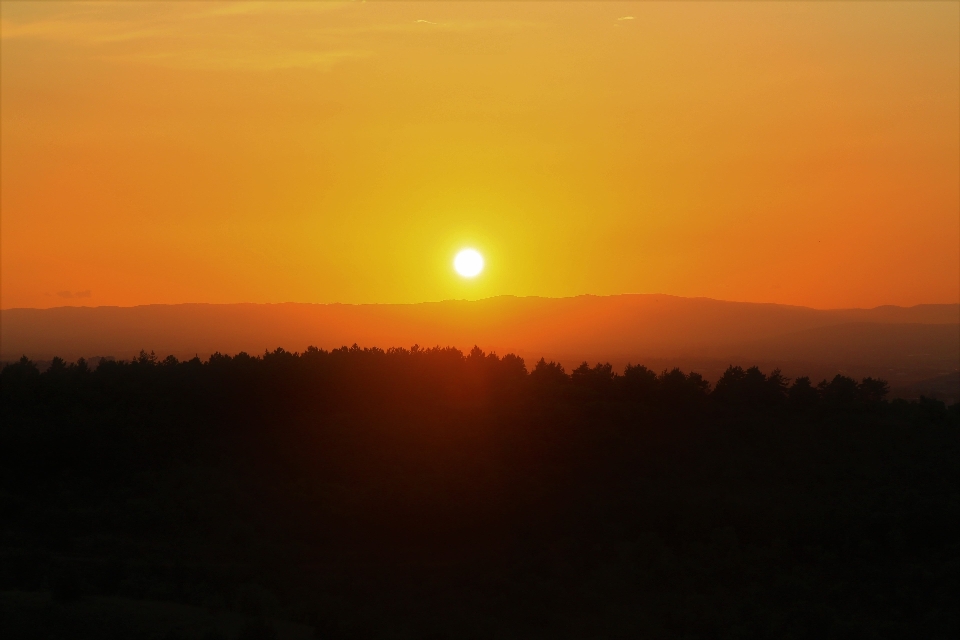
(800, 153)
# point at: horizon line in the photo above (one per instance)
(464, 300)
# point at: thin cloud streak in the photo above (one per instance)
(233, 61)
(185, 37)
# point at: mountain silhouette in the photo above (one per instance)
(904, 344)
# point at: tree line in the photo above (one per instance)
(348, 375)
(430, 493)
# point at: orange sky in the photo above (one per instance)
(780, 152)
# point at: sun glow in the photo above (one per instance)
(468, 263)
(738, 121)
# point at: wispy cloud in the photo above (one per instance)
(214, 36)
(222, 60)
(261, 8)
(625, 18)
(255, 36)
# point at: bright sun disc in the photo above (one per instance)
(468, 263)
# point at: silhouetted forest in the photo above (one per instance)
(427, 493)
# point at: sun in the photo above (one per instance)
(468, 263)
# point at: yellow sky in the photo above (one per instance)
(802, 153)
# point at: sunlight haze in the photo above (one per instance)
(797, 153)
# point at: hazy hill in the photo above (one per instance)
(910, 343)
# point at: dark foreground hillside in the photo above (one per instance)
(425, 494)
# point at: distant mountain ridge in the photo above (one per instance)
(635, 327)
